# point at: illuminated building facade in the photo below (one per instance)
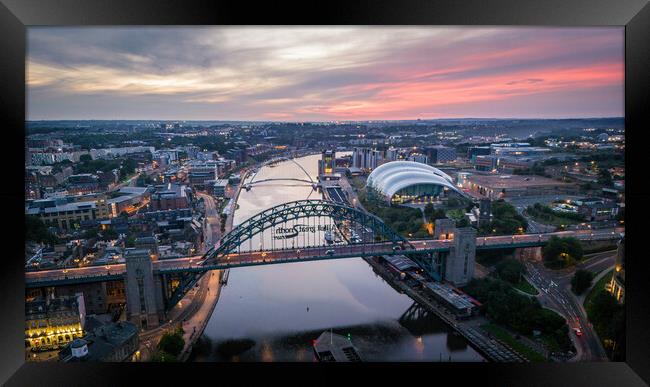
(51, 323)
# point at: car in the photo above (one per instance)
(329, 252)
(577, 331)
(395, 248)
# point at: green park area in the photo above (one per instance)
(520, 313)
(512, 271)
(525, 286)
(505, 220)
(598, 287)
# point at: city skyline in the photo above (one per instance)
(323, 74)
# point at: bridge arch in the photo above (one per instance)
(297, 210)
(275, 160)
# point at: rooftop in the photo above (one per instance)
(401, 262)
(458, 300)
(513, 181)
(62, 207)
(102, 341)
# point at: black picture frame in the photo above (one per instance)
(15, 15)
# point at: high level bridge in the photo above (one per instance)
(244, 246)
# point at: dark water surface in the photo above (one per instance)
(272, 313)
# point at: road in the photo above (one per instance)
(194, 310)
(555, 293)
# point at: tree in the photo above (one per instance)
(90, 233)
(37, 231)
(608, 318)
(562, 252)
(521, 313)
(463, 223)
(605, 178)
(130, 241)
(128, 166)
(172, 342)
(510, 270)
(85, 158)
(581, 281)
(506, 220)
(428, 210)
(454, 202)
(109, 234)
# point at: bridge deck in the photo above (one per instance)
(91, 274)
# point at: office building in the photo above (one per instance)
(366, 158)
(474, 151)
(439, 154)
(62, 215)
(418, 158)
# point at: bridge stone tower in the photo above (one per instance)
(144, 302)
(444, 228)
(459, 269)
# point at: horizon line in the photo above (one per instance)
(332, 121)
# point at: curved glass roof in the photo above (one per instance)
(393, 176)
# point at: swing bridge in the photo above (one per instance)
(254, 181)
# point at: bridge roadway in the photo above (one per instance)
(43, 278)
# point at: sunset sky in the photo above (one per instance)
(323, 74)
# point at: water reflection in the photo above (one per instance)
(272, 313)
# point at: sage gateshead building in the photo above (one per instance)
(410, 182)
